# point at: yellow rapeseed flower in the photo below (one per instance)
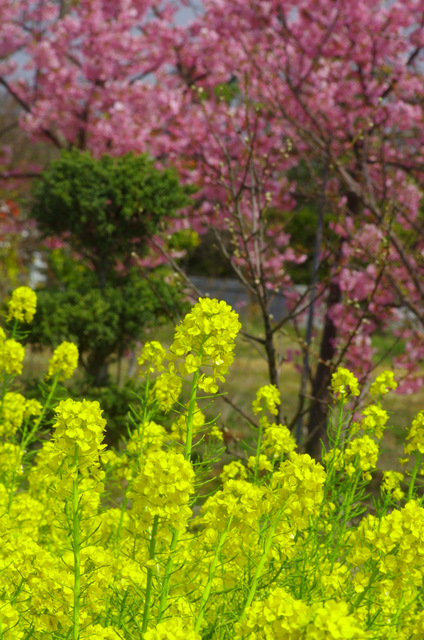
(278, 616)
(22, 305)
(344, 384)
(332, 621)
(361, 453)
(415, 435)
(64, 361)
(382, 384)
(267, 397)
(163, 488)
(172, 629)
(278, 440)
(374, 420)
(391, 484)
(205, 338)
(12, 354)
(78, 435)
(13, 413)
(151, 357)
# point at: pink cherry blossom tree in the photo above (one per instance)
(337, 86)
(266, 105)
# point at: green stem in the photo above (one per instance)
(125, 500)
(46, 406)
(76, 545)
(347, 501)
(212, 569)
(146, 399)
(336, 441)
(175, 534)
(363, 593)
(28, 437)
(258, 447)
(7, 376)
(167, 577)
(14, 329)
(414, 476)
(191, 407)
(152, 548)
(261, 565)
(121, 518)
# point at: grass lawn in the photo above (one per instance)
(249, 372)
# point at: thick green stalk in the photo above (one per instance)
(212, 569)
(7, 376)
(76, 546)
(363, 593)
(258, 448)
(167, 577)
(125, 500)
(27, 437)
(175, 534)
(148, 599)
(261, 565)
(414, 476)
(46, 406)
(191, 407)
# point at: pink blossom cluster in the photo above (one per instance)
(238, 99)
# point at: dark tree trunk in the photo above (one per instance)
(318, 415)
(98, 369)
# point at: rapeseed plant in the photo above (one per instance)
(285, 548)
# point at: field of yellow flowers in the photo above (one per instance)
(285, 548)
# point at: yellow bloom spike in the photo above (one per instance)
(415, 437)
(205, 338)
(22, 305)
(382, 384)
(344, 384)
(151, 357)
(64, 361)
(11, 355)
(267, 397)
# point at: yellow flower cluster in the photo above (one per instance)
(64, 361)
(78, 435)
(151, 357)
(10, 461)
(267, 397)
(233, 470)
(151, 436)
(205, 338)
(163, 488)
(344, 385)
(393, 546)
(415, 437)
(172, 629)
(391, 484)
(11, 355)
(374, 420)
(359, 454)
(278, 440)
(12, 415)
(167, 389)
(22, 305)
(332, 621)
(106, 544)
(298, 484)
(278, 616)
(282, 616)
(382, 384)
